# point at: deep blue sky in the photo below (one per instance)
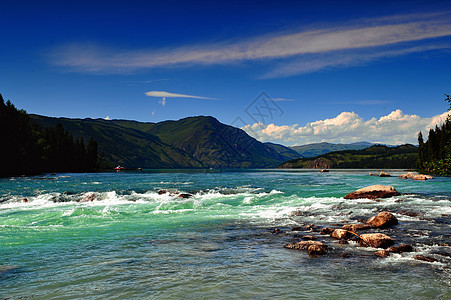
(315, 59)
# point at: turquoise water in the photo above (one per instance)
(113, 235)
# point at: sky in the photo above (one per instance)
(290, 72)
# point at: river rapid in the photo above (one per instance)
(129, 234)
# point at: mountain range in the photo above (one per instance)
(194, 142)
(312, 150)
(374, 157)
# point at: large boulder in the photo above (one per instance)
(376, 240)
(373, 192)
(383, 220)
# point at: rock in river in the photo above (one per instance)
(376, 240)
(373, 192)
(383, 220)
(313, 247)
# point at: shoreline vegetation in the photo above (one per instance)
(434, 155)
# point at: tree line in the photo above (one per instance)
(29, 148)
(434, 155)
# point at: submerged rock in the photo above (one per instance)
(317, 250)
(382, 253)
(401, 249)
(356, 227)
(383, 174)
(303, 245)
(373, 192)
(184, 196)
(376, 240)
(383, 220)
(308, 238)
(425, 258)
(327, 230)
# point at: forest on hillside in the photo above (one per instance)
(32, 149)
(434, 155)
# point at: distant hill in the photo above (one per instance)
(285, 151)
(377, 156)
(312, 150)
(194, 142)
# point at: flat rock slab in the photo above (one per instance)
(373, 192)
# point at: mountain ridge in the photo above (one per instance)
(192, 142)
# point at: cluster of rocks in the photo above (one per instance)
(414, 176)
(409, 175)
(350, 232)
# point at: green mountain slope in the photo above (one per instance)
(216, 144)
(124, 146)
(287, 152)
(312, 150)
(401, 157)
(193, 142)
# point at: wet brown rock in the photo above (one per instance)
(376, 240)
(409, 175)
(324, 171)
(297, 228)
(184, 196)
(308, 237)
(303, 245)
(401, 249)
(383, 174)
(425, 258)
(317, 250)
(382, 253)
(340, 234)
(373, 192)
(383, 220)
(422, 177)
(327, 230)
(310, 227)
(356, 227)
(162, 192)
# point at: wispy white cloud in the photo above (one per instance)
(297, 45)
(163, 94)
(395, 128)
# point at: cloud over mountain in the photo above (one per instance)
(395, 128)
